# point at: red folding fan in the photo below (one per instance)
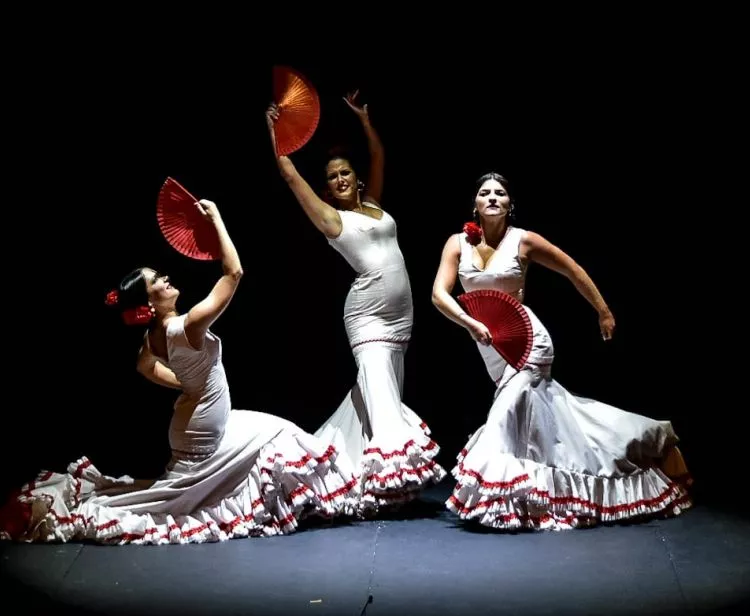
(508, 322)
(183, 226)
(299, 109)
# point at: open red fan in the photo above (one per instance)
(299, 109)
(183, 226)
(508, 322)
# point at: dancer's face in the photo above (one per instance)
(160, 290)
(341, 180)
(492, 200)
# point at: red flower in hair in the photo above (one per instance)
(473, 233)
(112, 298)
(137, 316)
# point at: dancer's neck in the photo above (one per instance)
(494, 232)
(163, 317)
(352, 206)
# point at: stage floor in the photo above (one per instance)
(425, 562)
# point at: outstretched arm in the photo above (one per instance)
(204, 313)
(537, 249)
(377, 153)
(442, 288)
(325, 218)
(154, 370)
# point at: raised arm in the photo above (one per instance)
(325, 217)
(204, 313)
(154, 370)
(442, 287)
(374, 187)
(537, 249)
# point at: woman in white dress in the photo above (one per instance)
(232, 473)
(546, 459)
(384, 438)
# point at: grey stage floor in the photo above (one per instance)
(424, 563)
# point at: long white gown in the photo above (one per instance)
(233, 473)
(547, 459)
(385, 439)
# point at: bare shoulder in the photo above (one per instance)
(155, 341)
(369, 200)
(530, 237)
(531, 240)
(452, 245)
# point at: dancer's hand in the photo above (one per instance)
(272, 115)
(607, 325)
(349, 99)
(478, 330)
(208, 210)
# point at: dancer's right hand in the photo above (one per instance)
(478, 330)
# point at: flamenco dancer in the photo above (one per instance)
(386, 440)
(544, 458)
(233, 473)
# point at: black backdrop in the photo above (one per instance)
(611, 155)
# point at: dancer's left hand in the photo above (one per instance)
(607, 325)
(350, 99)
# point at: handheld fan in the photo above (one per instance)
(183, 226)
(299, 109)
(508, 322)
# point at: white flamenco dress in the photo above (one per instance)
(233, 473)
(547, 459)
(387, 441)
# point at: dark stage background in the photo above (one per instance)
(611, 156)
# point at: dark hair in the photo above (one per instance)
(503, 182)
(132, 291)
(337, 151)
(492, 176)
(131, 299)
(341, 152)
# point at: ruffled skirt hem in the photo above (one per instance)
(288, 481)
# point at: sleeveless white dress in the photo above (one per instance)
(387, 442)
(547, 459)
(233, 473)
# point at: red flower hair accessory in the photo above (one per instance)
(132, 316)
(473, 232)
(137, 316)
(112, 298)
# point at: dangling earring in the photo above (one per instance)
(511, 209)
(360, 185)
(475, 215)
